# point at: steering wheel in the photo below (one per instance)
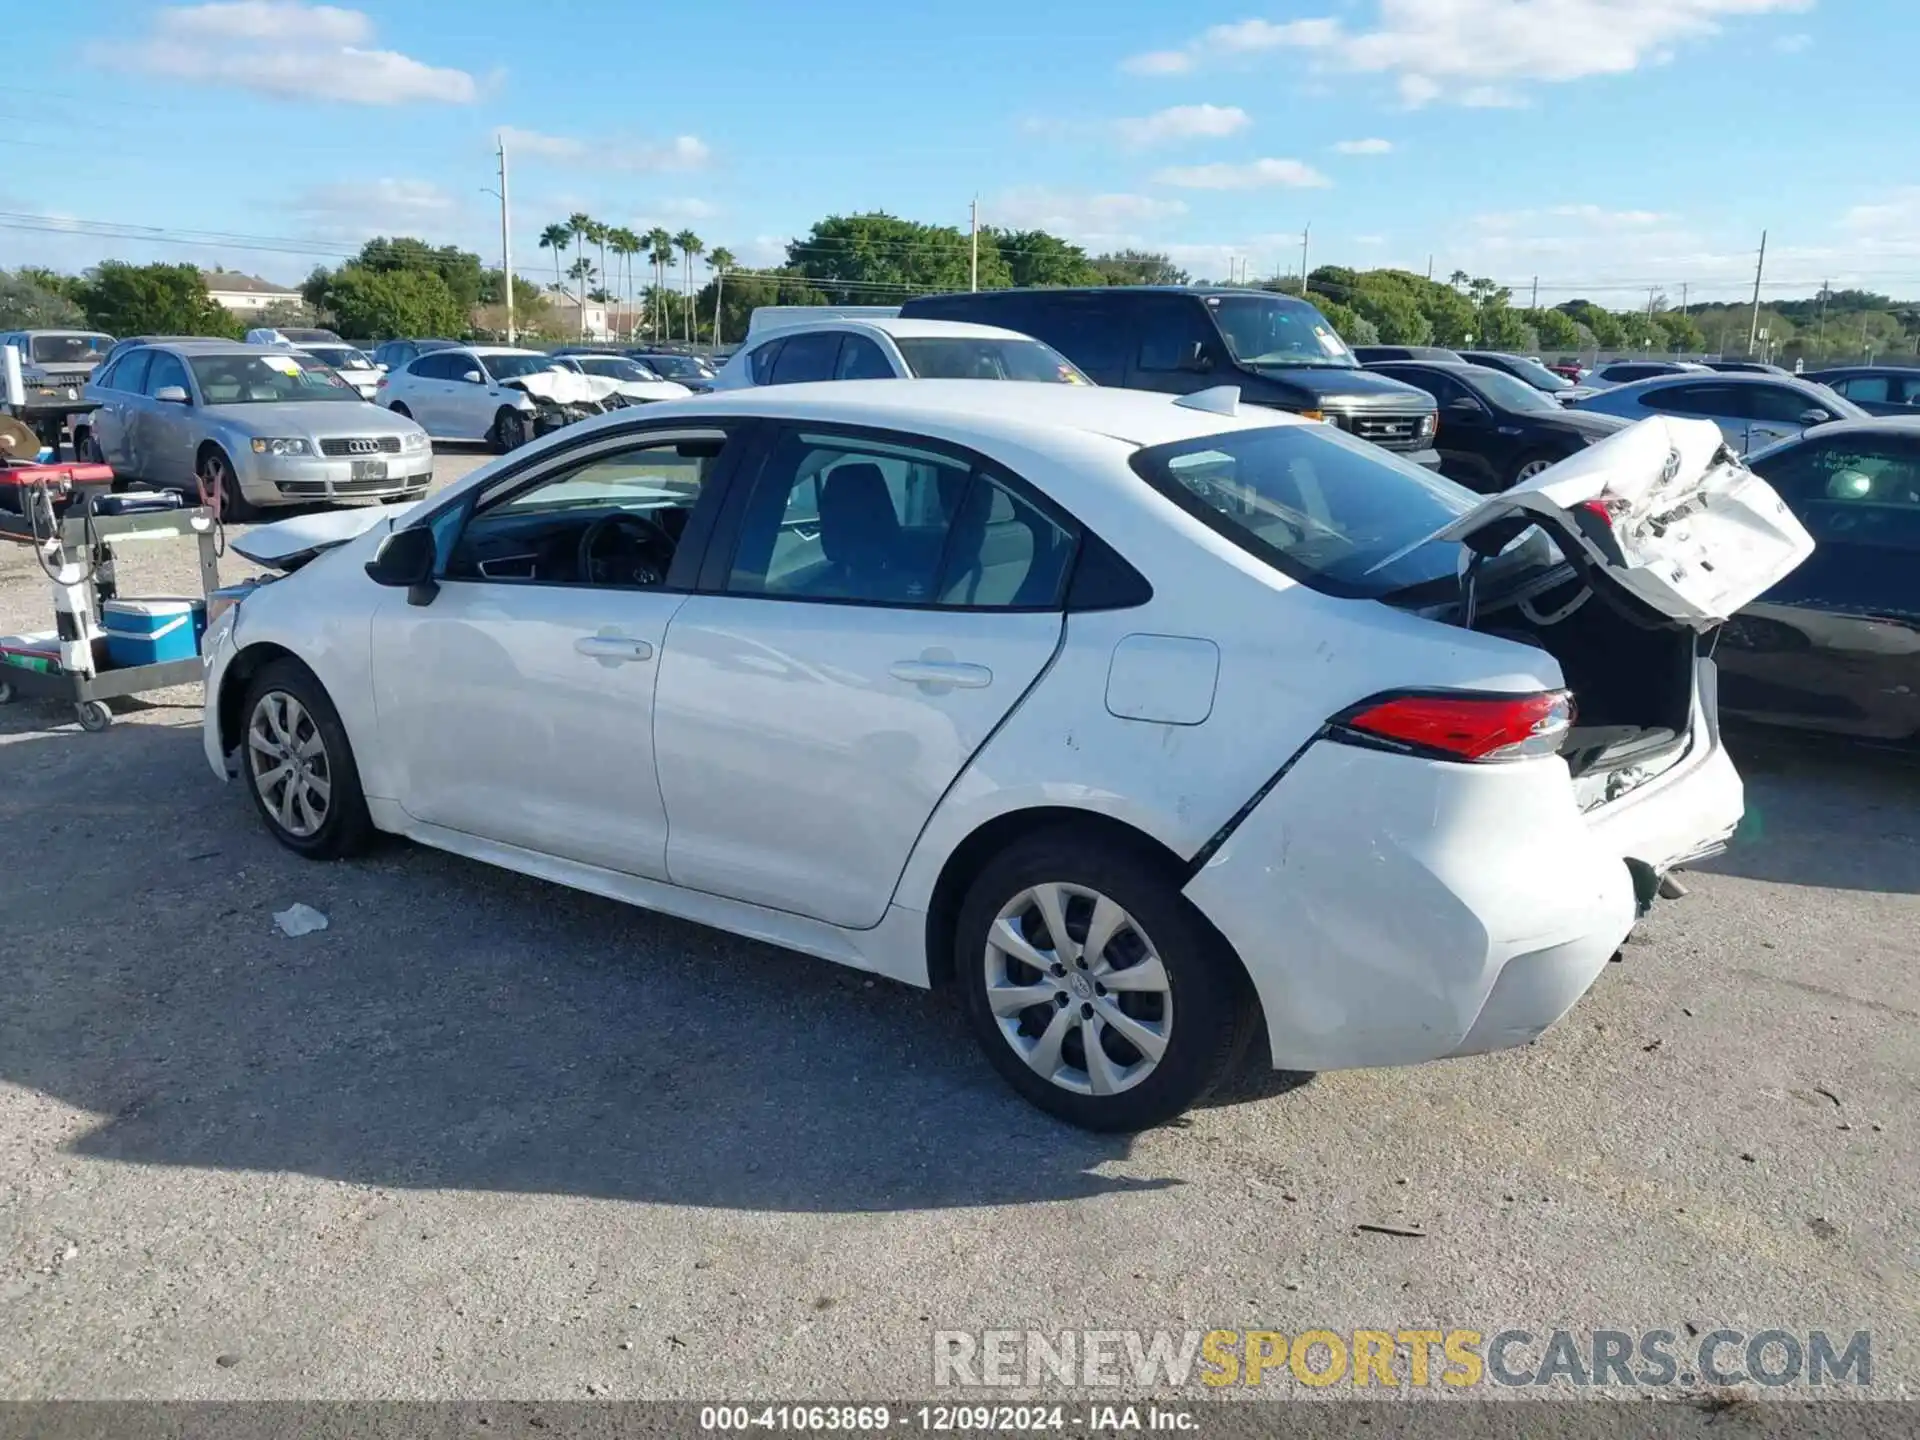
(641, 561)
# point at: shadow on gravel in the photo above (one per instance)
(1825, 812)
(457, 1026)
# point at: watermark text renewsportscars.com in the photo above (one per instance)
(1400, 1358)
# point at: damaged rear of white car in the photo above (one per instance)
(1456, 867)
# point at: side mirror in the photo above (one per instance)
(1464, 405)
(172, 395)
(474, 377)
(405, 559)
(1814, 416)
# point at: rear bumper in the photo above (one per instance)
(1392, 910)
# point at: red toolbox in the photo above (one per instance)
(67, 482)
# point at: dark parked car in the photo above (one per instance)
(1745, 367)
(1530, 371)
(1372, 354)
(1496, 431)
(1836, 645)
(392, 354)
(1876, 389)
(692, 371)
(1278, 350)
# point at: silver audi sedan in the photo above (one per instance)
(250, 426)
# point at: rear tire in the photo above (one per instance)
(1121, 1033)
(1530, 465)
(298, 766)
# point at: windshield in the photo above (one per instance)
(70, 349)
(266, 380)
(614, 367)
(681, 367)
(1270, 332)
(512, 367)
(1331, 511)
(966, 359)
(1511, 394)
(341, 357)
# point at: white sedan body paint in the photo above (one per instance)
(801, 772)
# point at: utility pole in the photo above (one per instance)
(1304, 234)
(1820, 343)
(1429, 267)
(1535, 305)
(506, 240)
(974, 263)
(1753, 330)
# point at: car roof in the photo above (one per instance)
(503, 350)
(980, 411)
(899, 329)
(89, 334)
(1109, 292)
(1901, 425)
(212, 345)
(1912, 370)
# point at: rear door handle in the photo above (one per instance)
(613, 649)
(943, 674)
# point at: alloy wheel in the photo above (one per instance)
(1531, 469)
(1077, 989)
(288, 761)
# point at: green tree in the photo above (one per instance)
(660, 252)
(460, 269)
(720, 260)
(28, 303)
(1605, 327)
(625, 245)
(1497, 327)
(689, 245)
(1138, 267)
(745, 291)
(1349, 325)
(125, 299)
(879, 259)
(1555, 330)
(1034, 257)
(579, 224)
(1393, 314)
(1682, 334)
(382, 304)
(556, 238)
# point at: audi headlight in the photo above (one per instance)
(416, 442)
(282, 447)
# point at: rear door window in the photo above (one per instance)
(1174, 335)
(1859, 491)
(806, 357)
(861, 359)
(131, 373)
(1780, 404)
(1722, 401)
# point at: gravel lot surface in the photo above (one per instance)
(487, 1137)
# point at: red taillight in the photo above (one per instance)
(1598, 508)
(1467, 727)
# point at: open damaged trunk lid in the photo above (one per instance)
(1662, 513)
(289, 544)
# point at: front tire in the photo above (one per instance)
(1529, 466)
(220, 487)
(1096, 989)
(510, 430)
(298, 765)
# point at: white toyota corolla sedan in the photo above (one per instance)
(1136, 720)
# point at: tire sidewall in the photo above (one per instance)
(346, 827)
(1209, 1007)
(510, 431)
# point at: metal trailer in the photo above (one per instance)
(77, 595)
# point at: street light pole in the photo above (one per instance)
(1304, 233)
(506, 240)
(973, 264)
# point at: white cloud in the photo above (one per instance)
(682, 152)
(1363, 147)
(1473, 51)
(1793, 44)
(1252, 175)
(357, 209)
(1183, 122)
(1096, 219)
(284, 49)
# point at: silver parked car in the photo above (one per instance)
(1751, 410)
(251, 424)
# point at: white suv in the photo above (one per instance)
(882, 349)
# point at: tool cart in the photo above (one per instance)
(104, 645)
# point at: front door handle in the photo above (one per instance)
(611, 649)
(941, 674)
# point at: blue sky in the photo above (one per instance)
(1601, 145)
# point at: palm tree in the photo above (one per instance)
(660, 251)
(556, 238)
(578, 224)
(721, 259)
(597, 232)
(689, 245)
(625, 245)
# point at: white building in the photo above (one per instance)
(246, 294)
